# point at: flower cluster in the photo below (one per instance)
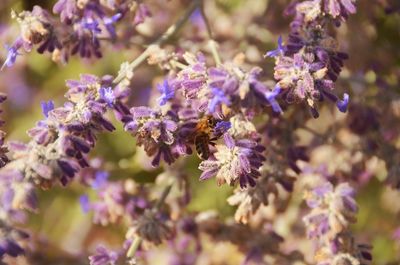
(333, 210)
(157, 133)
(213, 112)
(224, 88)
(79, 29)
(115, 199)
(61, 141)
(235, 161)
(309, 64)
(15, 196)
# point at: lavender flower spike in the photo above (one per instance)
(236, 161)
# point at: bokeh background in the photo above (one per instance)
(62, 232)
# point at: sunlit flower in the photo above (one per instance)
(235, 161)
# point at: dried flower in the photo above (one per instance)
(152, 227)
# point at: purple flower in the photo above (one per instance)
(47, 107)
(279, 51)
(155, 132)
(303, 79)
(339, 8)
(333, 209)
(235, 161)
(62, 140)
(113, 201)
(103, 256)
(10, 247)
(166, 92)
(12, 54)
(107, 94)
(222, 127)
(343, 104)
(16, 192)
(85, 203)
(109, 23)
(271, 97)
(67, 10)
(93, 26)
(100, 180)
(197, 19)
(218, 97)
(193, 78)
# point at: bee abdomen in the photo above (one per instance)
(201, 143)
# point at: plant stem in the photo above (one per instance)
(211, 42)
(134, 246)
(161, 40)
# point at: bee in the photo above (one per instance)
(203, 136)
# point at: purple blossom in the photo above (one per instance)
(85, 203)
(222, 127)
(107, 94)
(16, 192)
(61, 141)
(113, 201)
(193, 78)
(271, 97)
(13, 52)
(303, 79)
(339, 8)
(155, 132)
(279, 51)
(92, 25)
(103, 256)
(109, 24)
(47, 107)
(343, 104)
(67, 10)
(333, 209)
(218, 97)
(100, 180)
(167, 92)
(197, 19)
(235, 161)
(10, 247)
